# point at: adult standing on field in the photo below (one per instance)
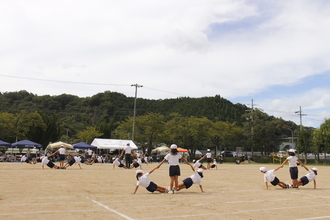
(128, 150)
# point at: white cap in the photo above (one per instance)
(139, 171)
(315, 169)
(263, 169)
(174, 146)
(208, 150)
(292, 150)
(200, 171)
(62, 145)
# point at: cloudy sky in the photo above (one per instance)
(274, 52)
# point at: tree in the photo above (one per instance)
(225, 135)
(321, 139)
(7, 126)
(188, 132)
(88, 134)
(305, 142)
(148, 129)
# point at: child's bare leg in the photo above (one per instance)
(176, 182)
(181, 186)
(161, 189)
(282, 184)
(171, 182)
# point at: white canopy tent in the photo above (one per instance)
(102, 143)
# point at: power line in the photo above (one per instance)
(62, 81)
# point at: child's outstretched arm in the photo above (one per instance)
(266, 185)
(135, 189)
(192, 167)
(284, 162)
(182, 158)
(278, 168)
(301, 164)
(153, 169)
(202, 157)
(161, 163)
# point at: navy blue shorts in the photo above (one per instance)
(275, 181)
(135, 165)
(175, 170)
(294, 173)
(188, 182)
(71, 161)
(304, 180)
(62, 157)
(152, 187)
(209, 160)
(50, 164)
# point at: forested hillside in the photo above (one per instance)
(48, 118)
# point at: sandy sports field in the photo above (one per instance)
(100, 192)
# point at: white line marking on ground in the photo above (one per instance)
(232, 213)
(41, 212)
(321, 217)
(110, 209)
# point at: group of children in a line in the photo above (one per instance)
(174, 172)
(293, 169)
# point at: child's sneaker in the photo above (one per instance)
(170, 191)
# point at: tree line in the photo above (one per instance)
(194, 123)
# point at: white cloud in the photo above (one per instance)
(234, 48)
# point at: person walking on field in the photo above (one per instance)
(293, 161)
(128, 150)
(174, 170)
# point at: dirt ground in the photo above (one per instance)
(101, 192)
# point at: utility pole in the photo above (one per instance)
(300, 114)
(134, 112)
(252, 109)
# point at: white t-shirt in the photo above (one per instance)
(197, 163)
(196, 178)
(311, 175)
(23, 158)
(116, 161)
(77, 159)
(292, 161)
(89, 152)
(61, 150)
(173, 159)
(128, 149)
(208, 155)
(144, 180)
(269, 176)
(44, 161)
